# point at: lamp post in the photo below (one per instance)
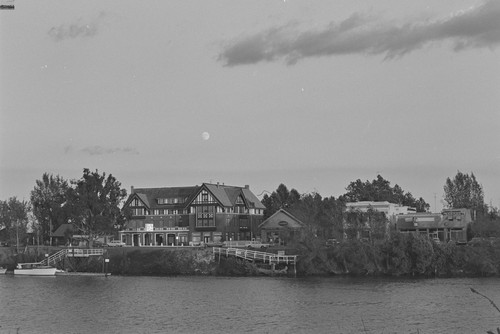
(17, 236)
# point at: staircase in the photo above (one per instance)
(73, 252)
(54, 258)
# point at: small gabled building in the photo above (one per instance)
(182, 216)
(280, 228)
(61, 235)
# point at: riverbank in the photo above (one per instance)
(402, 255)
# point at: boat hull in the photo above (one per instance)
(36, 272)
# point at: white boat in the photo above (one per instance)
(3, 270)
(34, 269)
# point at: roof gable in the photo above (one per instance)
(226, 196)
(281, 219)
(150, 196)
(252, 200)
(219, 193)
(62, 230)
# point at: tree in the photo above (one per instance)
(282, 198)
(380, 189)
(464, 191)
(371, 223)
(95, 202)
(486, 226)
(14, 217)
(48, 199)
(309, 210)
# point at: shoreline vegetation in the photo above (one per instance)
(400, 255)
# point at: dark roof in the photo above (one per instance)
(62, 230)
(225, 195)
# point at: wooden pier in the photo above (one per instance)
(256, 256)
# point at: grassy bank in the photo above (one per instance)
(138, 261)
(400, 255)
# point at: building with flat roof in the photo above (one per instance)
(449, 225)
(390, 209)
(367, 227)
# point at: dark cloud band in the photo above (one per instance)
(99, 150)
(477, 27)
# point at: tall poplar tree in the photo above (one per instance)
(464, 191)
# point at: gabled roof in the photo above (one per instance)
(150, 196)
(281, 219)
(144, 199)
(62, 230)
(225, 195)
(219, 192)
(252, 200)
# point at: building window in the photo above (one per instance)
(138, 212)
(239, 200)
(205, 216)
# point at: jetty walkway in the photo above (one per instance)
(255, 256)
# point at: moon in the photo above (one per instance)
(205, 135)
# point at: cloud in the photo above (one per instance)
(77, 29)
(99, 150)
(477, 27)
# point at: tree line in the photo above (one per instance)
(327, 217)
(92, 205)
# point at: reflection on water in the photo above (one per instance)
(69, 304)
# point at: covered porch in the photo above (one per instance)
(159, 237)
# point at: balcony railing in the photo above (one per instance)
(156, 229)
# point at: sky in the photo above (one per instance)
(312, 94)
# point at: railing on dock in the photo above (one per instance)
(70, 252)
(84, 252)
(252, 255)
(54, 258)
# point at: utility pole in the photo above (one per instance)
(435, 203)
(17, 235)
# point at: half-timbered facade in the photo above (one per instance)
(182, 216)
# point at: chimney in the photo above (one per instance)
(247, 186)
(131, 189)
(217, 184)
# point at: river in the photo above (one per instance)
(198, 304)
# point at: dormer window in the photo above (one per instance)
(170, 200)
(239, 200)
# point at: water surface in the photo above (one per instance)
(195, 304)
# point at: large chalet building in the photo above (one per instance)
(182, 216)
